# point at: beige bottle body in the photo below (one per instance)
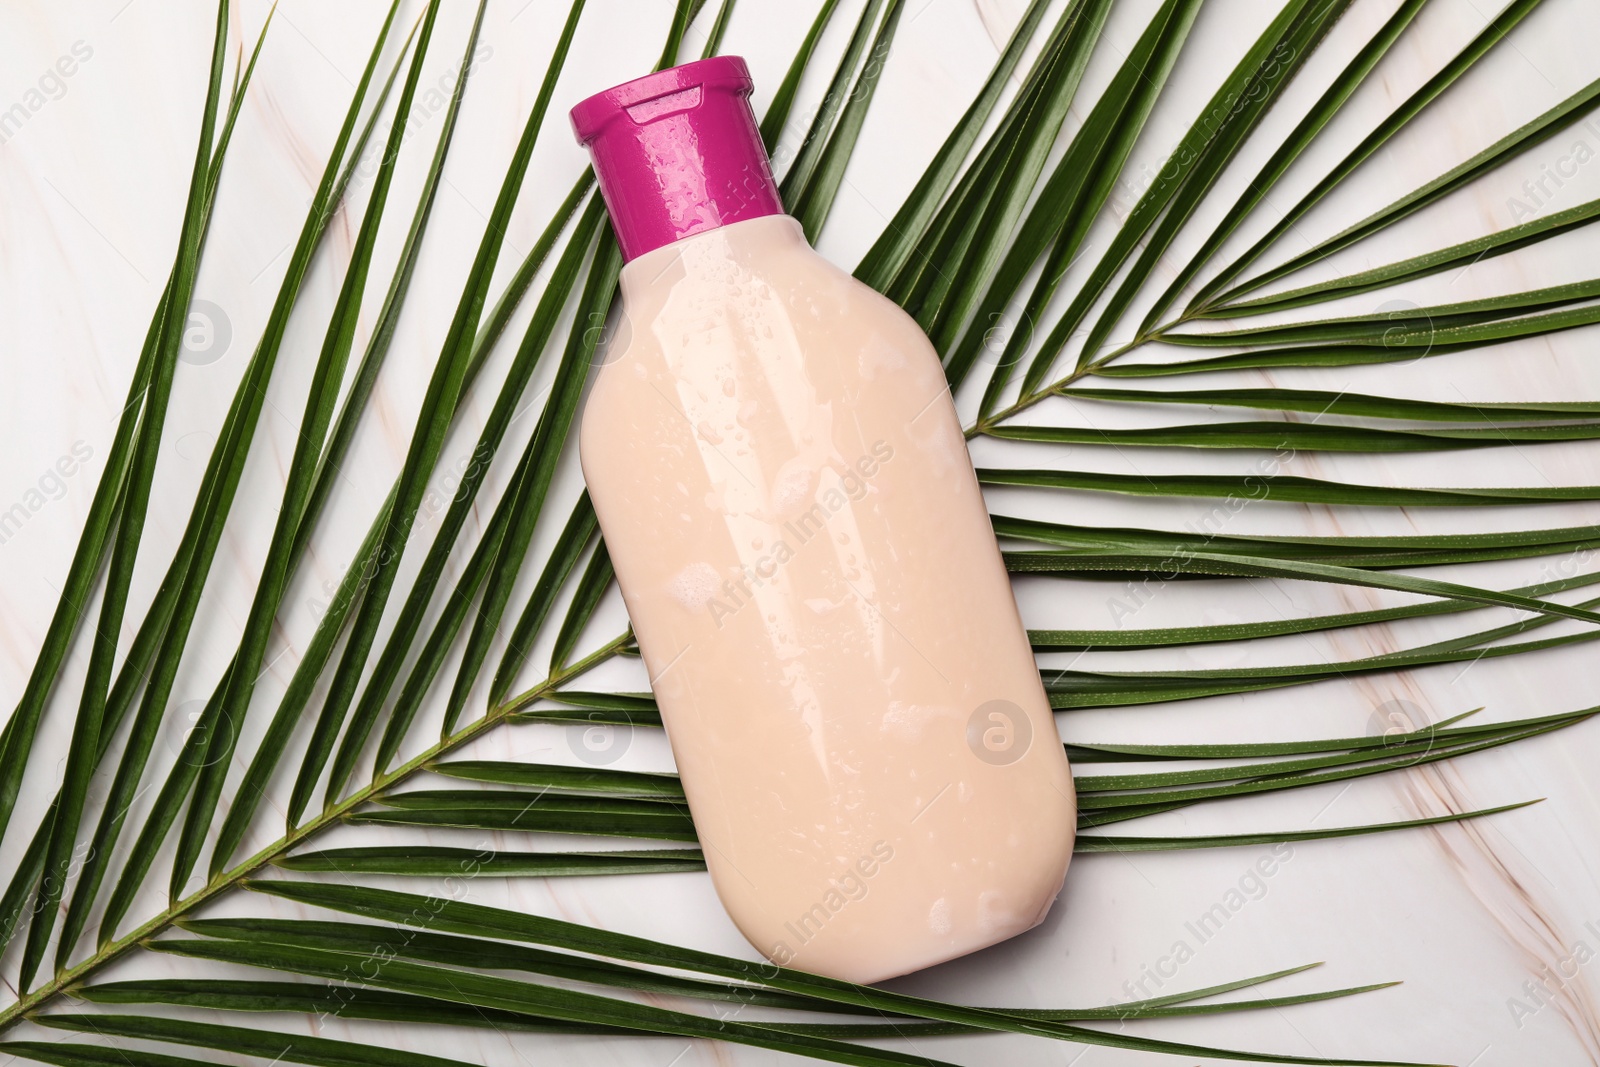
(783, 485)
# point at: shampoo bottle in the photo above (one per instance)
(785, 491)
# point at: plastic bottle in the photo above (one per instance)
(785, 491)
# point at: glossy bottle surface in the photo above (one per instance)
(786, 494)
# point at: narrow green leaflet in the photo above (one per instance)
(444, 862)
(683, 13)
(1298, 436)
(814, 200)
(342, 1001)
(479, 921)
(1399, 344)
(1429, 263)
(777, 116)
(1282, 488)
(1192, 151)
(1072, 198)
(563, 779)
(203, 534)
(580, 528)
(1192, 560)
(1142, 564)
(899, 238)
(1393, 746)
(1530, 134)
(1119, 843)
(498, 811)
(1397, 120)
(1413, 550)
(1300, 138)
(1115, 752)
(1168, 637)
(68, 1054)
(1398, 327)
(1121, 807)
(1259, 95)
(597, 708)
(797, 176)
(718, 29)
(1364, 405)
(83, 751)
(432, 425)
(266, 1044)
(591, 588)
(1086, 689)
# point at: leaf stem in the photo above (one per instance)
(1059, 386)
(64, 980)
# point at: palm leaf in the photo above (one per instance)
(242, 672)
(1192, 155)
(1075, 193)
(201, 538)
(83, 749)
(92, 544)
(1415, 104)
(444, 390)
(986, 212)
(478, 921)
(1534, 132)
(1266, 84)
(1476, 250)
(551, 304)
(899, 238)
(1300, 138)
(981, 225)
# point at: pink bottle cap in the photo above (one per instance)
(677, 153)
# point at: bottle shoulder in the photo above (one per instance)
(751, 274)
(753, 316)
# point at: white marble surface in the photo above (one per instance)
(91, 187)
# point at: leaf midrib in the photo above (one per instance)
(329, 816)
